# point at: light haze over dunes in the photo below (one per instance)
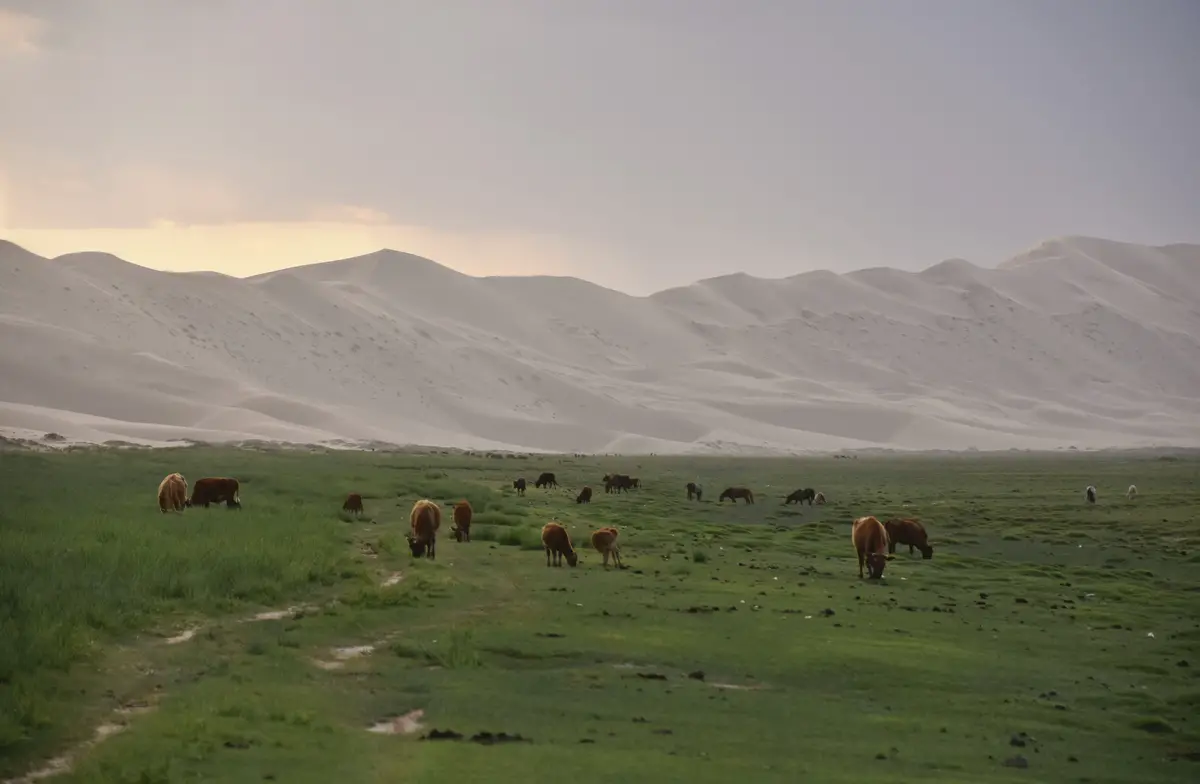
(1080, 341)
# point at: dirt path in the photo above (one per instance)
(121, 718)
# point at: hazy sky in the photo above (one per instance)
(636, 143)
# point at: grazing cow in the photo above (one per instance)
(617, 483)
(605, 542)
(734, 493)
(910, 532)
(546, 479)
(1131, 493)
(800, 496)
(172, 493)
(462, 521)
(353, 504)
(635, 483)
(585, 496)
(519, 486)
(214, 490)
(424, 520)
(870, 542)
(556, 541)
(696, 490)
(820, 499)
(1090, 494)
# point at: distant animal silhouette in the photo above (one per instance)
(695, 490)
(617, 483)
(353, 504)
(1090, 494)
(519, 486)
(585, 496)
(734, 493)
(800, 496)
(547, 479)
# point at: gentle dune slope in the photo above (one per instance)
(1080, 342)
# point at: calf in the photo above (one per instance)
(800, 496)
(820, 499)
(1090, 494)
(734, 493)
(519, 486)
(462, 521)
(694, 489)
(870, 542)
(353, 504)
(585, 496)
(1131, 493)
(557, 542)
(605, 542)
(424, 520)
(910, 532)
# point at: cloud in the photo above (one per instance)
(20, 34)
(57, 192)
(349, 213)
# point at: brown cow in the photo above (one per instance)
(870, 541)
(462, 521)
(214, 490)
(910, 532)
(425, 520)
(556, 541)
(172, 493)
(353, 504)
(605, 542)
(585, 496)
(734, 493)
(519, 486)
(696, 490)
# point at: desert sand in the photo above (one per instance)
(1079, 342)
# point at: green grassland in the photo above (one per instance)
(739, 644)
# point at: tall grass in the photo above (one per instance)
(86, 557)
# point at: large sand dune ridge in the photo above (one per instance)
(1080, 341)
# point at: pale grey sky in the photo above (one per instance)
(636, 143)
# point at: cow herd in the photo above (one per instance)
(173, 493)
(874, 542)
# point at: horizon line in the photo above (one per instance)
(1064, 238)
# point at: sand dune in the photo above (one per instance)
(1080, 341)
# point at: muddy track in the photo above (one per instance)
(121, 718)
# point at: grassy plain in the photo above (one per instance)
(1044, 630)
